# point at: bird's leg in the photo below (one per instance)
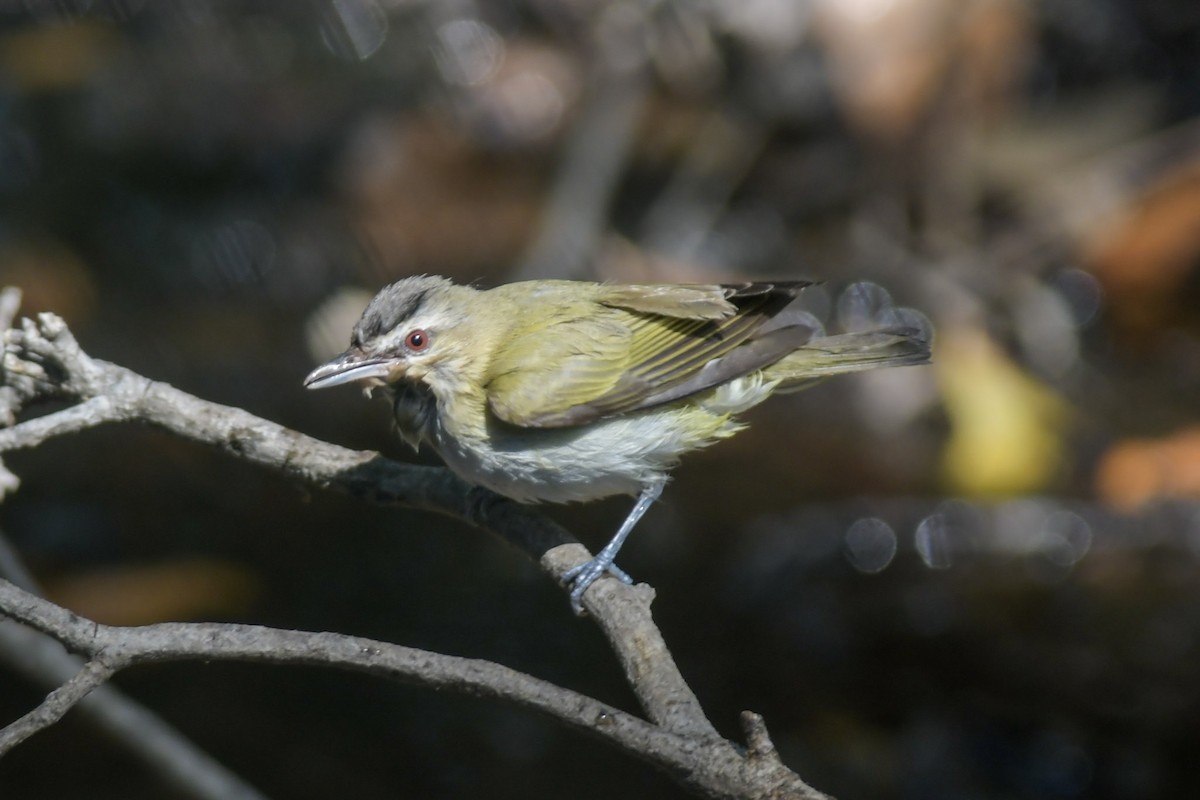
(584, 575)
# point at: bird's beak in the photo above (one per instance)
(352, 365)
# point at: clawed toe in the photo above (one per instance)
(583, 576)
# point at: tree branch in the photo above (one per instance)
(712, 767)
(43, 359)
(56, 704)
(41, 658)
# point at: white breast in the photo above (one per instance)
(619, 455)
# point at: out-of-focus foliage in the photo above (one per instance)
(977, 579)
(1005, 428)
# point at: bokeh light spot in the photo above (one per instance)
(870, 545)
(468, 52)
(933, 541)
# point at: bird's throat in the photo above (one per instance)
(415, 410)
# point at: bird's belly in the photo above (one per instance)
(620, 455)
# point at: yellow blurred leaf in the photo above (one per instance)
(56, 56)
(1006, 427)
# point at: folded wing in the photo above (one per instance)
(635, 347)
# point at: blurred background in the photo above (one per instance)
(976, 579)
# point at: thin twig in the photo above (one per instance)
(56, 704)
(88, 414)
(177, 761)
(187, 769)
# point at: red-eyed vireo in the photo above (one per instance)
(568, 390)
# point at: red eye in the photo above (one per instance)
(417, 340)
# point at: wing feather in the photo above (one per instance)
(669, 300)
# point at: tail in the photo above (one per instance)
(826, 356)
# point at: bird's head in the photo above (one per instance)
(417, 329)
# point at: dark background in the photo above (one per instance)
(976, 579)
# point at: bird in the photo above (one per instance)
(570, 391)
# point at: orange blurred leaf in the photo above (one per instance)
(143, 594)
(1136, 471)
(1144, 255)
(892, 59)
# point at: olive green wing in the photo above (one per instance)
(633, 347)
(552, 366)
